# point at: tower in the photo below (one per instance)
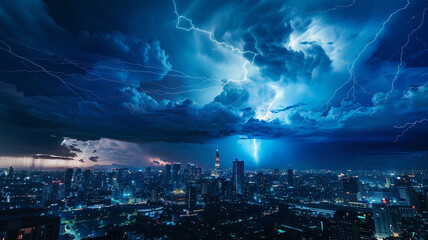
(217, 170)
(67, 180)
(168, 173)
(217, 160)
(238, 177)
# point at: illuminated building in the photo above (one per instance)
(217, 160)
(218, 172)
(238, 177)
(382, 220)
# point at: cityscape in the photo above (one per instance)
(213, 119)
(188, 202)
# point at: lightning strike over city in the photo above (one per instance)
(176, 119)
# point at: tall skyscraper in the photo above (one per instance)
(11, 172)
(238, 177)
(176, 173)
(191, 197)
(217, 170)
(261, 185)
(67, 180)
(290, 177)
(86, 178)
(382, 220)
(168, 173)
(217, 160)
(78, 175)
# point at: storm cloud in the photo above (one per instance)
(308, 74)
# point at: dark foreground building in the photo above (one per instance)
(28, 224)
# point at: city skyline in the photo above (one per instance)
(189, 202)
(213, 119)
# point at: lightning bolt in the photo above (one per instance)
(255, 150)
(192, 27)
(270, 105)
(406, 127)
(100, 72)
(333, 8)
(352, 78)
(397, 73)
(66, 84)
(422, 42)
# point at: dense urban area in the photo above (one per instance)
(181, 201)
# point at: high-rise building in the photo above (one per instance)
(290, 177)
(87, 178)
(67, 180)
(261, 184)
(404, 195)
(168, 173)
(276, 176)
(217, 160)
(154, 194)
(351, 188)
(11, 172)
(218, 172)
(191, 197)
(52, 191)
(122, 177)
(190, 172)
(382, 220)
(78, 175)
(176, 173)
(238, 177)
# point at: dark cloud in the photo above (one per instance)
(232, 95)
(52, 157)
(282, 109)
(267, 39)
(74, 148)
(139, 79)
(94, 158)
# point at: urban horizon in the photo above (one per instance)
(213, 119)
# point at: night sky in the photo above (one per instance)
(307, 84)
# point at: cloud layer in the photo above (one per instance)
(305, 74)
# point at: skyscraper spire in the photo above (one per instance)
(217, 160)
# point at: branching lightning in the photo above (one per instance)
(270, 104)
(101, 72)
(333, 8)
(397, 73)
(66, 84)
(210, 35)
(406, 127)
(352, 78)
(192, 27)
